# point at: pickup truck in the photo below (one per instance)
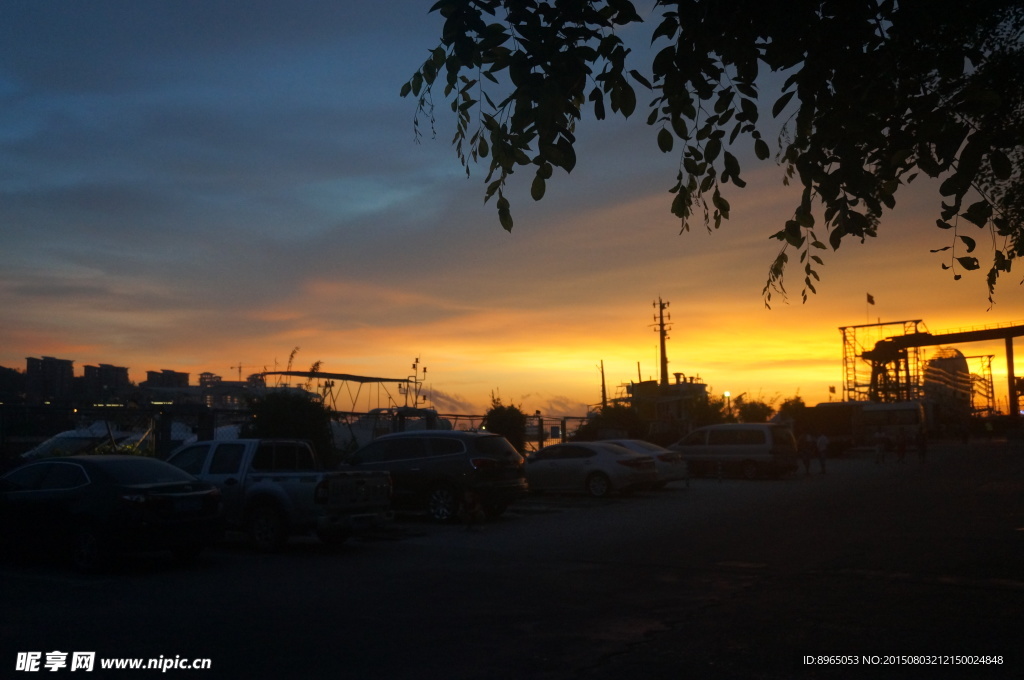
(276, 488)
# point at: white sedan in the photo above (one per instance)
(596, 468)
(670, 464)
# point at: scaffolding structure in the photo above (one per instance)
(893, 369)
(983, 391)
(866, 380)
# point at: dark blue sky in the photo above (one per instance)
(194, 185)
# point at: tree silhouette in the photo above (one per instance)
(614, 421)
(293, 415)
(508, 421)
(752, 410)
(872, 93)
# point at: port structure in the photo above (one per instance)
(334, 386)
(983, 390)
(661, 325)
(892, 369)
(898, 378)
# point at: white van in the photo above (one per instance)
(747, 449)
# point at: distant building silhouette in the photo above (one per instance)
(105, 381)
(166, 379)
(49, 379)
(666, 408)
(12, 385)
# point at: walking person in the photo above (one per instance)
(472, 511)
(807, 449)
(901, 447)
(822, 446)
(922, 445)
(881, 444)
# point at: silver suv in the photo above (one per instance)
(439, 470)
(748, 449)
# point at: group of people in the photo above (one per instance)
(900, 444)
(809, 447)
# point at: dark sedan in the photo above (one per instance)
(89, 508)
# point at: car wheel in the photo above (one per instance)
(748, 469)
(266, 528)
(88, 554)
(443, 503)
(598, 485)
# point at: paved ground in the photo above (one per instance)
(921, 560)
(719, 580)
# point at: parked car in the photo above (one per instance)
(747, 449)
(83, 440)
(106, 437)
(276, 488)
(670, 464)
(441, 470)
(88, 508)
(596, 468)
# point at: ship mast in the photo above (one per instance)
(661, 319)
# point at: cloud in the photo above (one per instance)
(452, 403)
(553, 406)
(198, 185)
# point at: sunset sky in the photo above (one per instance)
(201, 185)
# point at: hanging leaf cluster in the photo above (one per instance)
(873, 93)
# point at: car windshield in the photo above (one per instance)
(639, 445)
(65, 446)
(499, 447)
(143, 471)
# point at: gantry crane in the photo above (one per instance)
(896, 361)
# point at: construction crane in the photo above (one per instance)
(894, 350)
(241, 366)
